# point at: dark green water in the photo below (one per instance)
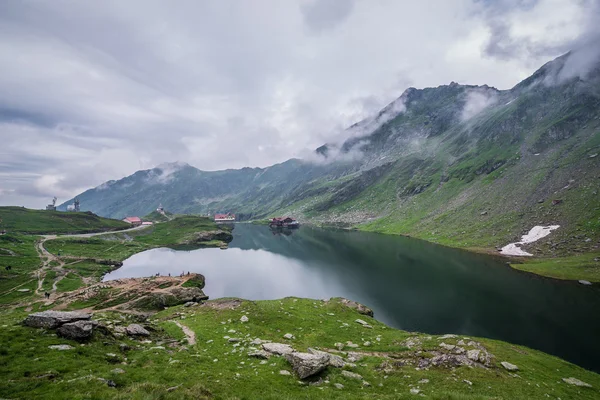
(410, 284)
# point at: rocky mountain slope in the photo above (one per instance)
(468, 166)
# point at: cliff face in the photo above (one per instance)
(458, 164)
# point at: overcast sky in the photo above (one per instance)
(95, 90)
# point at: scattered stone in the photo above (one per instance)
(284, 372)
(366, 384)
(415, 391)
(448, 336)
(23, 290)
(60, 347)
(117, 371)
(423, 381)
(307, 364)
(190, 304)
(234, 340)
(244, 319)
(111, 383)
(354, 357)
(508, 366)
(136, 330)
(79, 330)
(279, 349)
(468, 382)
(350, 344)
(288, 336)
(576, 382)
(448, 347)
(339, 345)
(54, 319)
(338, 386)
(351, 375)
(259, 354)
(360, 321)
(585, 282)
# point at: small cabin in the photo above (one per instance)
(135, 221)
(225, 217)
(286, 222)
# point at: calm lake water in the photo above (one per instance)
(410, 284)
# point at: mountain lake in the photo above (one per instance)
(410, 284)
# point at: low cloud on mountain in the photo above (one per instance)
(93, 91)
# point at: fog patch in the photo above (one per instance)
(477, 100)
(165, 173)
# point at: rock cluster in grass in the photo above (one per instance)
(68, 324)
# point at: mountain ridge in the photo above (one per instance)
(442, 163)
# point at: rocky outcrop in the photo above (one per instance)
(80, 330)
(207, 236)
(306, 364)
(54, 319)
(169, 297)
(357, 306)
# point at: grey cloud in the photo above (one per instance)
(322, 15)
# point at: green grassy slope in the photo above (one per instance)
(169, 367)
(38, 222)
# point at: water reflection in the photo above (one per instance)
(410, 284)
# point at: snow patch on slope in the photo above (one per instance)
(535, 234)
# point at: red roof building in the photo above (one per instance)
(133, 220)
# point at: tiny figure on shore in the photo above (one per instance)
(188, 273)
(8, 267)
(169, 274)
(47, 295)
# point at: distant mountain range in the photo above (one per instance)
(468, 166)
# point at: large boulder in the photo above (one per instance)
(306, 364)
(54, 319)
(332, 359)
(78, 330)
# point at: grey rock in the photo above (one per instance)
(360, 321)
(190, 304)
(473, 355)
(284, 372)
(288, 336)
(259, 354)
(54, 319)
(338, 385)
(334, 360)
(576, 382)
(585, 282)
(117, 371)
(78, 330)
(244, 318)
(362, 309)
(60, 347)
(508, 366)
(307, 364)
(354, 357)
(448, 347)
(351, 375)
(136, 330)
(279, 349)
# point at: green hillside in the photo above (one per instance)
(39, 222)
